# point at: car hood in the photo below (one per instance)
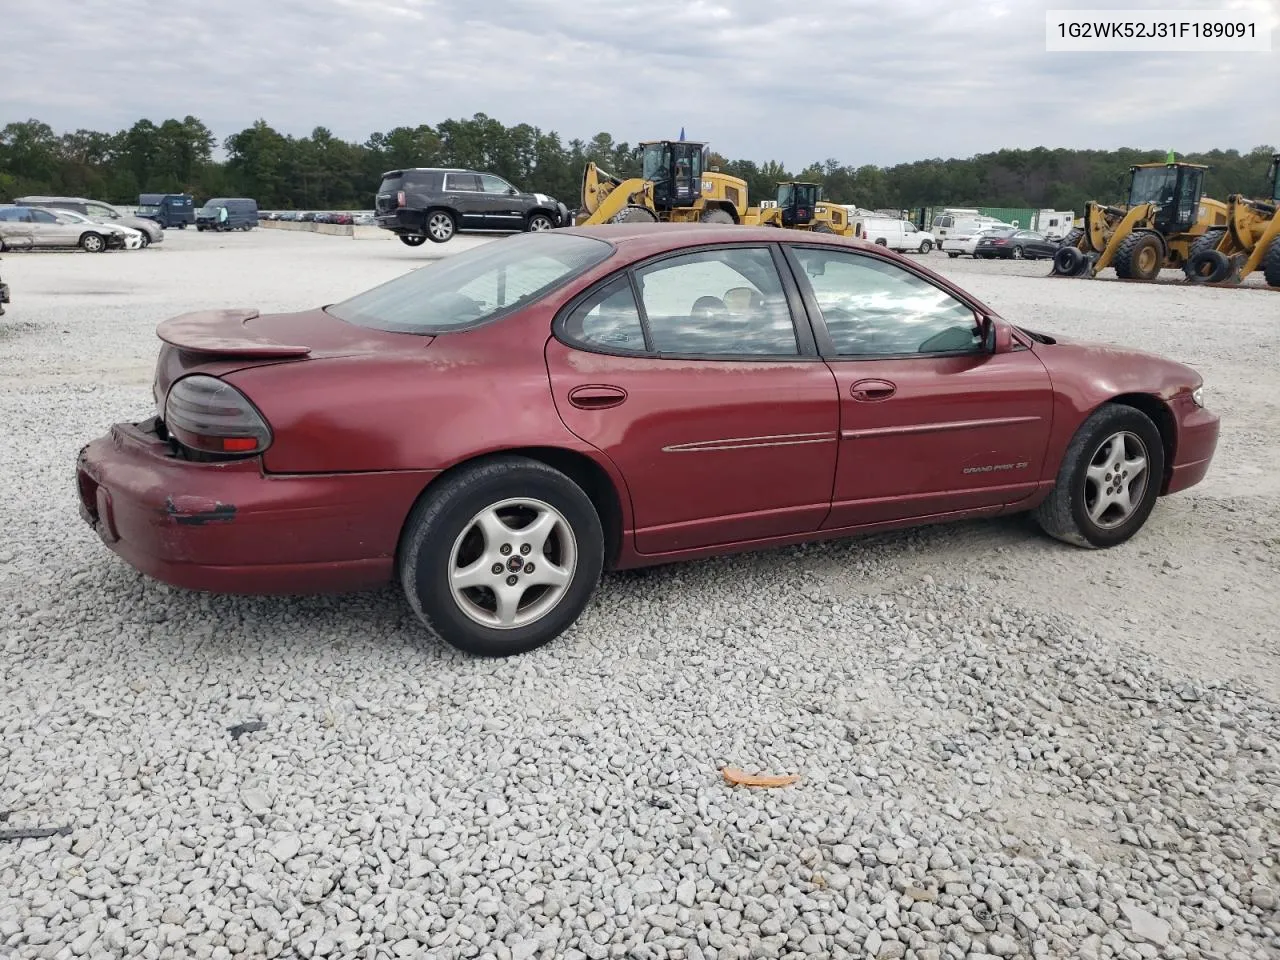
(1113, 369)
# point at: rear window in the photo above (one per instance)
(474, 287)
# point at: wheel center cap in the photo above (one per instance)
(515, 564)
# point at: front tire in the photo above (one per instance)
(538, 222)
(440, 226)
(634, 214)
(926, 246)
(413, 240)
(1108, 481)
(715, 215)
(1271, 264)
(93, 243)
(145, 242)
(1139, 257)
(501, 557)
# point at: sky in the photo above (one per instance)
(860, 81)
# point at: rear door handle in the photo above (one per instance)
(596, 396)
(871, 390)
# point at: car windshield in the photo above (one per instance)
(149, 208)
(469, 288)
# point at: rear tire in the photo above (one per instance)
(1081, 510)
(440, 226)
(1017, 253)
(447, 534)
(715, 215)
(823, 228)
(952, 254)
(413, 240)
(1271, 264)
(882, 242)
(634, 214)
(1073, 237)
(1209, 266)
(1139, 257)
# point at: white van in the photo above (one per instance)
(900, 235)
(962, 224)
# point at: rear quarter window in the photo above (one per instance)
(427, 182)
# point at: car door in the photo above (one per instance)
(468, 201)
(691, 375)
(47, 231)
(503, 207)
(931, 421)
(15, 227)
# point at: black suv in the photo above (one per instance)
(433, 203)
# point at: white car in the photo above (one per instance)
(965, 243)
(132, 237)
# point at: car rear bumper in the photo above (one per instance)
(405, 222)
(230, 528)
(1197, 440)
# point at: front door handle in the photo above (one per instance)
(871, 390)
(596, 396)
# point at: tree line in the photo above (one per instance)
(322, 171)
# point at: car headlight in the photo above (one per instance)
(1197, 395)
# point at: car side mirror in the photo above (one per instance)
(996, 337)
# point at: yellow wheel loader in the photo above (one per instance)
(1250, 240)
(800, 207)
(674, 186)
(1165, 214)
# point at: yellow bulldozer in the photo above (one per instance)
(1165, 214)
(799, 206)
(674, 186)
(1250, 240)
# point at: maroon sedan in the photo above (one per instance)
(495, 429)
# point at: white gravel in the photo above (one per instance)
(1006, 747)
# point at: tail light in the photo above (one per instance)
(399, 198)
(209, 415)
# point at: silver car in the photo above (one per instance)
(151, 231)
(24, 227)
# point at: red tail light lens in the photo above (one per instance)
(399, 198)
(207, 414)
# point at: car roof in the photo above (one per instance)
(643, 239)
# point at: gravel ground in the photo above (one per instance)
(1005, 747)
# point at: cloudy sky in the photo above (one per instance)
(863, 81)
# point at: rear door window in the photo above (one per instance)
(463, 181)
(420, 180)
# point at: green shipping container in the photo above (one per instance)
(1024, 215)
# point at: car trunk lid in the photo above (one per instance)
(218, 342)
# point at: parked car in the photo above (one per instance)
(435, 203)
(680, 394)
(1015, 245)
(132, 238)
(168, 209)
(102, 212)
(967, 243)
(901, 235)
(23, 227)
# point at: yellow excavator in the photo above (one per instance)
(799, 206)
(674, 186)
(1250, 240)
(1165, 214)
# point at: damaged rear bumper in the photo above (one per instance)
(230, 528)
